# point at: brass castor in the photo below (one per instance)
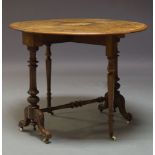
(46, 140)
(113, 138)
(21, 129)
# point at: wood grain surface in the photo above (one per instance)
(79, 26)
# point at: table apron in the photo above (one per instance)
(32, 39)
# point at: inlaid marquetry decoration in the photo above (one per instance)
(79, 26)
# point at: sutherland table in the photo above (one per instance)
(104, 32)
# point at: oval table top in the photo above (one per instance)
(79, 26)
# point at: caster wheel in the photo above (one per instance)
(21, 129)
(46, 140)
(113, 138)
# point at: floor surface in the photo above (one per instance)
(80, 130)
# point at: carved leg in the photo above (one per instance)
(32, 113)
(119, 101)
(111, 55)
(48, 75)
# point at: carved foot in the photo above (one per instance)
(39, 118)
(35, 117)
(120, 103)
(26, 120)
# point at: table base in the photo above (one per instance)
(35, 116)
(112, 99)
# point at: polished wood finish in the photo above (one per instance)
(103, 32)
(111, 55)
(32, 113)
(48, 73)
(79, 26)
(32, 39)
(119, 101)
(74, 104)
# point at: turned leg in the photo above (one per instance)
(48, 75)
(32, 113)
(111, 55)
(119, 101)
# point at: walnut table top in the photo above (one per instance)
(79, 26)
